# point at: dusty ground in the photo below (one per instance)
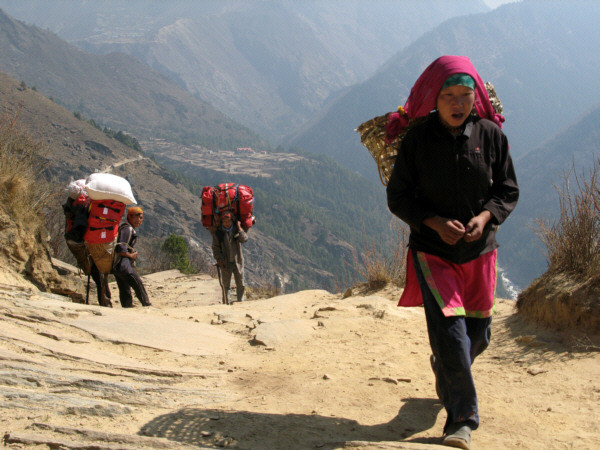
(307, 370)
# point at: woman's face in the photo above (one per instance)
(455, 104)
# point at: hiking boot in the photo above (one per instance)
(458, 436)
(438, 388)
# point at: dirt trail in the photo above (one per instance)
(110, 168)
(306, 370)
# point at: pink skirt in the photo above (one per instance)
(460, 289)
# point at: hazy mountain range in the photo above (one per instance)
(269, 64)
(115, 90)
(315, 73)
(542, 58)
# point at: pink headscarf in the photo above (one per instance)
(423, 95)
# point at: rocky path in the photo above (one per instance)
(307, 370)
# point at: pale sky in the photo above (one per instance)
(495, 3)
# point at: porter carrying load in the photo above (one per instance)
(109, 195)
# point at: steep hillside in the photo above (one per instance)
(268, 64)
(540, 56)
(73, 149)
(541, 173)
(116, 90)
(317, 208)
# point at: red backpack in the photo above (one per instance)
(237, 198)
(103, 222)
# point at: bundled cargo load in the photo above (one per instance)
(235, 198)
(106, 186)
(76, 210)
(103, 221)
(109, 194)
(103, 229)
(93, 212)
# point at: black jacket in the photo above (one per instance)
(437, 174)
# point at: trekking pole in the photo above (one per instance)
(221, 284)
(87, 291)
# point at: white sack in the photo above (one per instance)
(76, 188)
(106, 186)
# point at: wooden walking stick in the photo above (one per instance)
(223, 293)
(87, 291)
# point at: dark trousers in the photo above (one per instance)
(226, 272)
(128, 278)
(95, 274)
(455, 342)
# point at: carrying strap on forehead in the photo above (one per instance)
(459, 79)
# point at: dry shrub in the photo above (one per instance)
(567, 296)
(573, 241)
(153, 258)
(379, 266)
(262, 291)
(23, 189)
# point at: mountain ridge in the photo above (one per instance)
(268, 64)
(116, 90)
(512, 59)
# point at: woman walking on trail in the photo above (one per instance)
(453, 183)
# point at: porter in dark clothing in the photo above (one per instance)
(453, 183)
(76, 211)
(123, 271)
(227, 250)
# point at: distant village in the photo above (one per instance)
(241, 160)
(248, 150)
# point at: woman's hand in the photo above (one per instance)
(475, 227)
(450, 230)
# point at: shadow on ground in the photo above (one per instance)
(254, 430)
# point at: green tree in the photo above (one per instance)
(177, 249)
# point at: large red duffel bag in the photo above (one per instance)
(208, 206)
(103, 222)
(236, 198)
(107, 210)
(101, 235)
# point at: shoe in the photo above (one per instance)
(438, 389)
(458, 437)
